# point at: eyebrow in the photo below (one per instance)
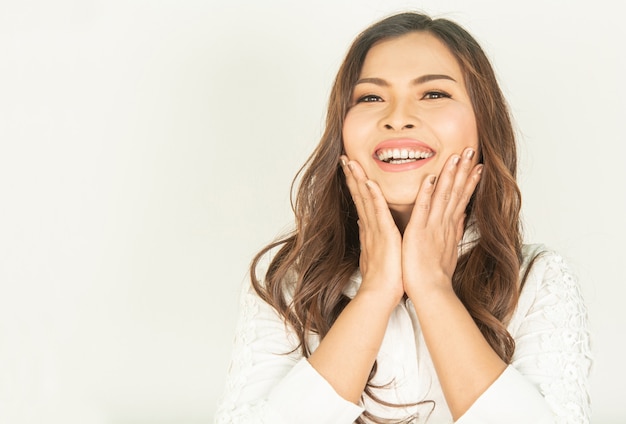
(419, 80)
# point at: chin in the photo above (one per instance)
(400, 199)
(401, 206)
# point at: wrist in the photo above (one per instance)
(434, 287)
(377, 299)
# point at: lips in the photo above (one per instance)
(398, 155)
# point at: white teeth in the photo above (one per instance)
(402, 155)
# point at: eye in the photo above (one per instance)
(433, 95)
(369, 98)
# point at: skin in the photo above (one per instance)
(410, 87)
(410, 222)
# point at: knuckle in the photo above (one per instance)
(445, 196)
(462, 195)
(423, 206)
(459, 192)
(466, 197)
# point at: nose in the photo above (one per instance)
(402, 127)
(399, 117)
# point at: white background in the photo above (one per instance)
(147, 150)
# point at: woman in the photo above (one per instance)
(405, 294)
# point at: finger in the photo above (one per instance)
(366, 195)
(382, 214)
(471, 182)
(374, 209)
(363, 246)
(422, 208)
(459, 194)
(350, 181)
(353, 187)
(460, 229)
(443, 190)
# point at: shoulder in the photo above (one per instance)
(543, 267)
(547, 283)
(551, 332)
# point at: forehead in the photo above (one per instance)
(417, 52)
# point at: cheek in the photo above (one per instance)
(354, 134)
(458, 129)
(346, 135)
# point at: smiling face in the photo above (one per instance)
(409, 113)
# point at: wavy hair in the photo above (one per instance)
(313, 264)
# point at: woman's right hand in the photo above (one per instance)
(381, 243)
(346, 354)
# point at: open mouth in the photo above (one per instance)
(404, 155)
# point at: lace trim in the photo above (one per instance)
(568, 349)
(228, 410)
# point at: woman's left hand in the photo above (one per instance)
(431, 238)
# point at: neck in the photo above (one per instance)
(401, 216)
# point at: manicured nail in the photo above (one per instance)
(455, 160)
(470, 153)
(480, 169)
(432, 179)
(343, 161)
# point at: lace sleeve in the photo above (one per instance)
(552, 339)
(248, 378)
(268, 381)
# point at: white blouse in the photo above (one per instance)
(269, 381)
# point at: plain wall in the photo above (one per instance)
(147, 150)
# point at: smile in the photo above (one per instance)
(399, 155)
(405, 155)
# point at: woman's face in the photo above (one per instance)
(409, 113)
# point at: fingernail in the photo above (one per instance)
(470, 153)
(455, 160)
(480, 170)
(432, 179)
(343, 161)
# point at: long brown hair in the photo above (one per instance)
(313, 264)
